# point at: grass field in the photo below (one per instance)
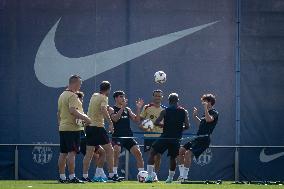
(125, 185)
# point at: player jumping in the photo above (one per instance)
(206, 125)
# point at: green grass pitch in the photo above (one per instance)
(43, 184)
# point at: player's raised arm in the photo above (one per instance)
(195, 116)
(186, 121)
(142, 116)
(209, 118)
(160, 118)
(136, 117)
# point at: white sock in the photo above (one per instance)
(154, 174)
(115, 170)
(181, 168)
(171, 174)
(71, 176)
(150, 169)
(140, 169)
(185, 172)
(102, 173)
(110, 175)
(85, 175)
(98, 172)
(62, 176)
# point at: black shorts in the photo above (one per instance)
(69, 141)
(172, 145)
(198, 146)
(83, 146)
(127, 143)
(148, 144)
(96, 136)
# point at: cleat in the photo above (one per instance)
(63, 181)
(169, 180)
(118, 178)
(86, 179)
(105, 179)
(180, 178)
(98, 179)
(113, 179)
(155, 177)
(149, 179)
(76, 181)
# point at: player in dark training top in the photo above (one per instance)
(175, 122)
(121, 116)
(206, 125)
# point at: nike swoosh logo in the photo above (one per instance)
(267, 158)
(53, 69)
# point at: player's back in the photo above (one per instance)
(67, 121)
(174, 121)
(94, 110)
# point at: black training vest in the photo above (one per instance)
(122, 126)
(173, 122)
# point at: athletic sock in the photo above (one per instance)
(154, 174)
(100, 172)
(71, 176)
(171, 174)
(150, 169)
(85, 175)
(181, 168)
(111, 175)
(114, 170)
(97, 173)
(62, 176)
(185, 172)
(103, 175)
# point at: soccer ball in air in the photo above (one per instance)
(141, 177)
(160, 77)
(147, 124)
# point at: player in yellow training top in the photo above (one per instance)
(69, 107)
(96, 133)
(152, 111)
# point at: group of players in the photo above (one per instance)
(93, 140)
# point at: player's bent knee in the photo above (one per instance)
(136, 152)
(116, 148)
(89, 150)
(101, 151)
(108, 148)
(188, 154)
(153, 152)
(182, 151)
(158, 156)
